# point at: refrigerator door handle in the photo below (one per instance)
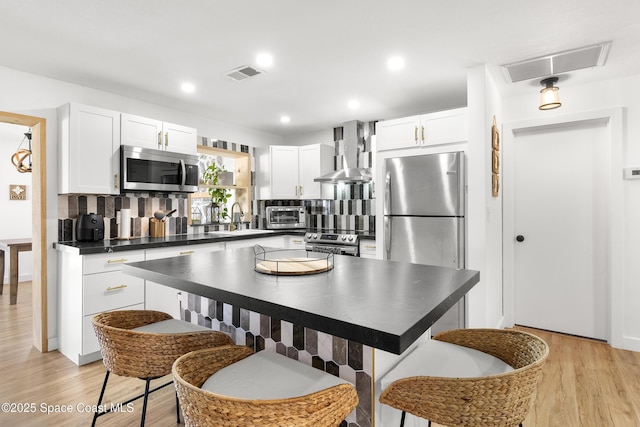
(386, 218)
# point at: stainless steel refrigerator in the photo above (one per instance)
(423, 216)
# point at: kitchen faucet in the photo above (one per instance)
(235, 224)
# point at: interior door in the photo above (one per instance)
(560, 221)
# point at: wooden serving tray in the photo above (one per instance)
(293, 266)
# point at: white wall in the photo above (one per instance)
(484, 212)
(590, 98)
(324, 136)
(38, 96)
(16, 214)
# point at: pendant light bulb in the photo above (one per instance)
(549, 95)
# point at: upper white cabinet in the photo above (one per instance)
(89, 142)
(287, 172)
(429, 129)
(150, 133)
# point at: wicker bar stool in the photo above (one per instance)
(144, 344)
(468, 377)
(233, 387)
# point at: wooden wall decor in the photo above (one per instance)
(495, 159)
(17, 192)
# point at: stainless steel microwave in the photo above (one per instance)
(146, 169)
(279, 217)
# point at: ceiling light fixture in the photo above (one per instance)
(353, 104)
(549, 95)
(285, 119)
(188, 87)
(264, 60)
(395, 63)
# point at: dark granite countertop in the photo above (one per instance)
(114, 245)
(383, 304)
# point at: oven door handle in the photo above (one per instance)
(183, 172)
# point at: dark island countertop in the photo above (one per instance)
(383, 304)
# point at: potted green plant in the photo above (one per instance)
(219, 196)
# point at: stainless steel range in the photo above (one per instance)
(335, 243)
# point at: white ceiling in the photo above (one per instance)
(326, 52)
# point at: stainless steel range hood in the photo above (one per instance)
(353, 143)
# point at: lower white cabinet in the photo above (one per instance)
(367, 248)
(88, 285)
(268, 242)
(294, 242)
(163, 298)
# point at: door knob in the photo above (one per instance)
(520, 238)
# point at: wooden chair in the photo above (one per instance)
(511, 361)
(144, 344)
(231, 387)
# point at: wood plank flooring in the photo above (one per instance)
(585, 383)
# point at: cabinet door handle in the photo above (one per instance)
(415, 134)
(186, 252)
(117, 181)
(160, 140)
(114, 261)
(115, 288)
(166, 139)
(423, 134)
(301, 190)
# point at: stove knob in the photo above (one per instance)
(344, 238)
(315, 236)
(351, 238)
(308, 235)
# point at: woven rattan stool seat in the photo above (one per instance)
(492, 386)
(260, 390)
(145, 343)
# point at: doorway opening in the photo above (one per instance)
(39, 227)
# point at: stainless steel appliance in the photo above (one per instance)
(90, 227)
(423, 216)
(146, 169)
(335, 243)
(282, 217)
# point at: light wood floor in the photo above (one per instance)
(585, 383)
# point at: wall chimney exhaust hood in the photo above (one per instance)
(353, 136)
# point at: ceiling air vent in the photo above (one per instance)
(242, 73)
(557, 63)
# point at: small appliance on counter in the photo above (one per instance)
(283, 217)
(90, 227)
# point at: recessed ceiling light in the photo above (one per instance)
(395, 63)
(188, 87)
(353, 104)
(264, 60)
(285, 119)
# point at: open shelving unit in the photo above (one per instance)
(242, 178)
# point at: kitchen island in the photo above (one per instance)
(332, 320)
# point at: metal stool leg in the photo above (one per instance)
(104, 386)
(147, 381)
(404, 414)
(177, 409)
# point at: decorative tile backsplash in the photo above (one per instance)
(142, 206)
(346, 359)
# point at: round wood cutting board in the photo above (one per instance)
(293, 266)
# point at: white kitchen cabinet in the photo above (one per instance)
(267, 242)
(150, 133)
(294, 242)
(442, 127)
(88, 285)
(368, 248)
(287, 172)
(164, 298)
(89, 142)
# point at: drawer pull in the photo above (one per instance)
(186, 252)
(115, 288)
(114, 261)
(369, 247)
(297, 241)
